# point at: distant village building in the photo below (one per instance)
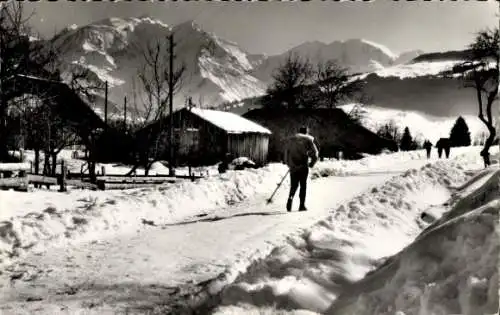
(337, 136)
(204, 136)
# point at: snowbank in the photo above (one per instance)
(44, 215)
(314, 268)
(451, 268)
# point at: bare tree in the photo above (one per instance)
(290, 79)
(20, 54)
(390, 131)
(336, 84)
(56, 133)
(154, 79)
(481, 72)
(298, 83)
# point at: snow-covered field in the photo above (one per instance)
(412, 70)
(421, 126)
(102, 252)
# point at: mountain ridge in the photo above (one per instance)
(219, 72)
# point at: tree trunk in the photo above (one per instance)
(485, 152)
(91, 162)
(147, 164)
(37, 161)
(54, 164)
(46, 164)
(133, 170)
(4, 150)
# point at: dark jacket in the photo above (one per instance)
(443, 143)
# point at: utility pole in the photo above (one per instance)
(171, 103)
(125, 114)
(106, 104)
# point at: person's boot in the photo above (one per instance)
(289, 204)
(302, 206)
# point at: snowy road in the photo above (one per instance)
(151, 267)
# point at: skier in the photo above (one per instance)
(299, 149)
(443, 144)
(428, 147)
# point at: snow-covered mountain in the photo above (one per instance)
(216, 70)
(407, 56)
(359, 55)
(219, 71)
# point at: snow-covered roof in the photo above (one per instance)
(229, 122)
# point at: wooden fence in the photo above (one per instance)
(18, 176)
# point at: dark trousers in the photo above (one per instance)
(428, 153)
(299, 177)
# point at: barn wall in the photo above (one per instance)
(251, 145)
(212, 144)
(198, 142)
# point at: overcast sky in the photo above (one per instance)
(274, 27)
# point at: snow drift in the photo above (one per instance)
(449, 268)
(81, 214)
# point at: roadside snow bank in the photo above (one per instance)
(313, 268)
(451, 268)
(30, 219)
(385, 161)
(80, 215)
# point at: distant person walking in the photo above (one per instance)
(428, 147)
(300, 148)
(443, 144)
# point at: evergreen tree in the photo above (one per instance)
(459, 134)
(406, 143)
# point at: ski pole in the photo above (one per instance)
(278, 186)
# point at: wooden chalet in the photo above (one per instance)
(203, 137)
(76, 112)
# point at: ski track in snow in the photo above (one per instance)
(144, 269)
